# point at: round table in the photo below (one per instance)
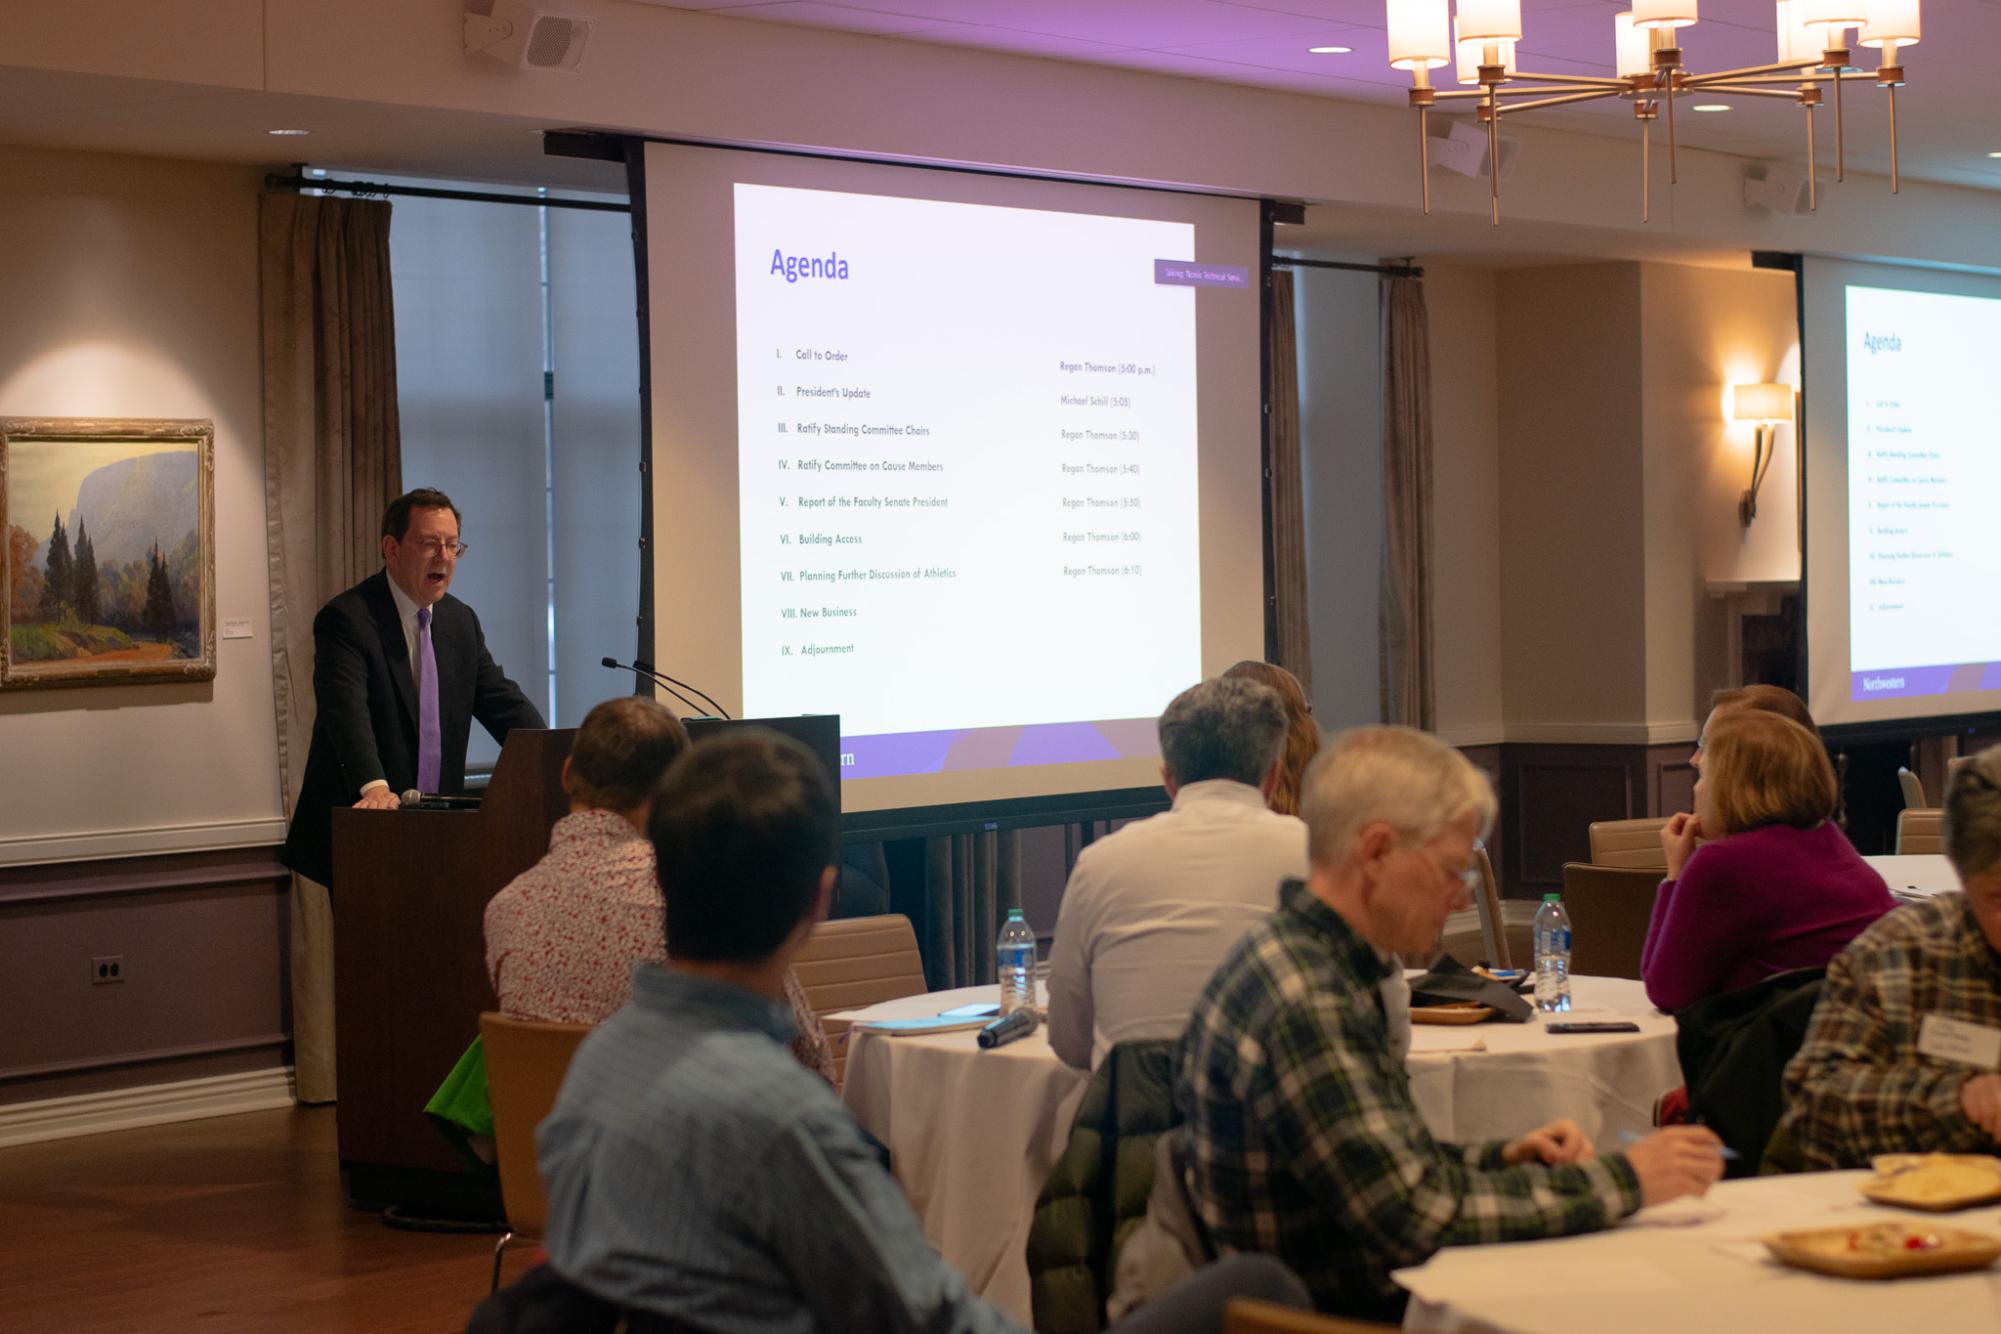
(972, 1134)
(1697, 1265)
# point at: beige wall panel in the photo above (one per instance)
(1466, 514)
(1572, 556)
(132, 292)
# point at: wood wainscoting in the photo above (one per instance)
(202, 987)
(1550, 794)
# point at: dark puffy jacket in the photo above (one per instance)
(1096, 1194)
(1733, 1051)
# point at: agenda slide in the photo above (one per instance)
(984, 450)
(1912, 452)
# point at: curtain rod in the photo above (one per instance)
(300, 181)
(1403, 270)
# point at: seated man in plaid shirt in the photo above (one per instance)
(1303, 1141)
(1905, 1043)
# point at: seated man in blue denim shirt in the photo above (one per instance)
(695, 1171)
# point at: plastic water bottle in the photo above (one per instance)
(1015, 957)
(1552, 955)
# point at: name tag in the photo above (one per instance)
(1960, 1042)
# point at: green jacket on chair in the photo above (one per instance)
(1096, 1194)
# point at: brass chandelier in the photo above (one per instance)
(1813, 53)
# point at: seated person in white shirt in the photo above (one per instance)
(1151, 910)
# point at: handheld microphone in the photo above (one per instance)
(1005, 1030)
(641, 664)
(639, 669)
(413, 800)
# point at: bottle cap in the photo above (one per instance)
(1552, 897)
(1013, 913)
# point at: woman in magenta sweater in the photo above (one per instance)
(1759, 879)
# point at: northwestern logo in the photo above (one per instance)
(795, 267)
(1882, 342)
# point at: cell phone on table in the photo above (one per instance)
(986, 1011)
(1593, 1026)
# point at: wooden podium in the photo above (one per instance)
(410, 893)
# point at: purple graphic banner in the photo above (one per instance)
(1901, 682)
(900, 754)
(1187, 273)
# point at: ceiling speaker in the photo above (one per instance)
(1462, 147)
(520, 35)
(1775, 187)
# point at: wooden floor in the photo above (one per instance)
(234, 1223)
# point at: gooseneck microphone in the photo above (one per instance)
(1003, 1031)
(639, 670)
(641, 664)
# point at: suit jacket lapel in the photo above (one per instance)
(390, 627)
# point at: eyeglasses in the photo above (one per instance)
(431, 546)
(1469, 877)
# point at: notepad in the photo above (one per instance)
(936, 1023)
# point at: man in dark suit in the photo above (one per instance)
(400, 670)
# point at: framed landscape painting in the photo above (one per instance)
(107, 575)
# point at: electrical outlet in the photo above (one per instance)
(106, 969)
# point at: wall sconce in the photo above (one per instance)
(1768, 405)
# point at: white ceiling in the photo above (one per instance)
(1949, 123)
(1949, 117)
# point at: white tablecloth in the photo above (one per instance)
(1705, 1277)
(1916, 875)
(972, 1134)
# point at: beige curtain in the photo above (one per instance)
(1288, 521)
(1405, 614)
(970, 881)
(332, 462)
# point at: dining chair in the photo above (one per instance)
(1628, 843)
(1914, 789)
(1609, 908)
(1493, 926)
(853, 962)
(1245, 1316)
(1919, 831)
(526, 1060)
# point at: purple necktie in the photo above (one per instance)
(429, 734)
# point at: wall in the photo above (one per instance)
(1572, 541)
(131, 291)
(1461, 304)
(1708, 329)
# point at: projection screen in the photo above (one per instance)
(971, 460)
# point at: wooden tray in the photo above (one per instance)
(1934, 1182)
(1458, 1012)
(1878, 1250)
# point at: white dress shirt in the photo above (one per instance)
(1150, 911)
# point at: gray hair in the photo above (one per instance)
(1397, 776)
(1972, 820)
(1224, 727)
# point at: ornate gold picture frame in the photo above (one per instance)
(107, 571)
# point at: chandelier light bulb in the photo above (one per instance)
(1663, 13)
(1891, 23)
(1419, 35)
(1472, 53)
